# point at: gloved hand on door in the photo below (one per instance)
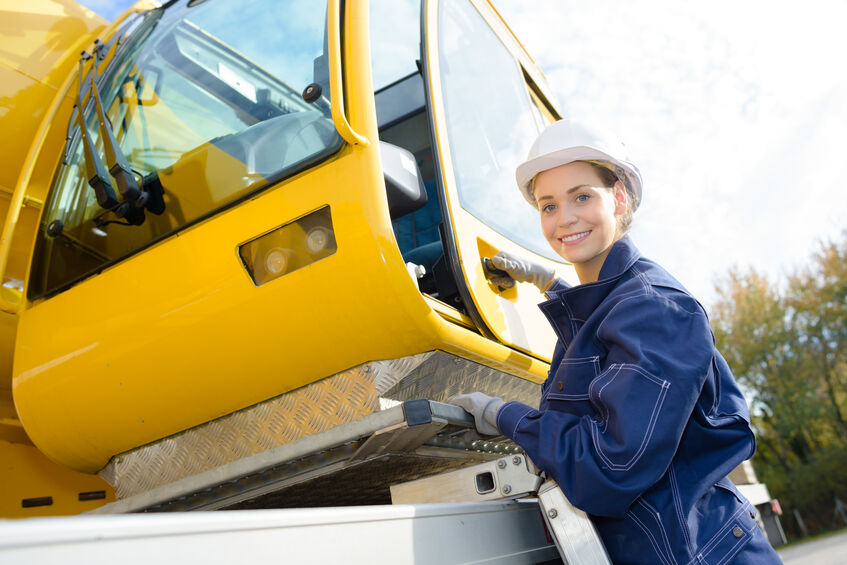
(521, 270)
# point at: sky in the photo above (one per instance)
(735, 113)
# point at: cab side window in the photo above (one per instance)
(492, 121)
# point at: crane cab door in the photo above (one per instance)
(486, 109)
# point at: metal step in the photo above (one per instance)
(353, 463)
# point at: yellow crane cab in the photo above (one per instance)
(269, 219)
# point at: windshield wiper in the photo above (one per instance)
(134, 197)
(115, 158)
(95, 170)
(127, 32)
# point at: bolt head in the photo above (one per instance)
(312, 92)
(552, 513)
(55, 227)
(516, 460)
(507, 489)
(502, 463)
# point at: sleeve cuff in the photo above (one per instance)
(509, 416)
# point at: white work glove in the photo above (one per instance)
(521, 270)
(484, 409)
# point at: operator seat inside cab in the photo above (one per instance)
(402, 118)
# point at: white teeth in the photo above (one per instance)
(574, 236)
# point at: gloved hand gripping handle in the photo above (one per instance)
(504, 269)
(497, 276)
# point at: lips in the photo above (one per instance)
(575, 238)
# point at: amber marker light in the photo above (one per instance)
(289, 247)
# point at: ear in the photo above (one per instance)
(621, 198)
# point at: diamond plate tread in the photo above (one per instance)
(319, 406)
(444, 375)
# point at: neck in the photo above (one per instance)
(589, 271)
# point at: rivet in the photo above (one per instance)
(507, 489)
(502, 463)
(559, 385)
(552, 513)
(737, 532)
(516, 460)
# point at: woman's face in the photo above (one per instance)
(579, 215)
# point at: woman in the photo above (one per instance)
(640, 419)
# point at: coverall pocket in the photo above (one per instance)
(572, 378)
(629, 402)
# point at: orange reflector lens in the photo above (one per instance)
(289, 247)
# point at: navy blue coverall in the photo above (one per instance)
(641, 420)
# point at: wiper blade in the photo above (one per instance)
(115, 158)
(149, 194)
(95, 170)
(127, 32)
(134, 197)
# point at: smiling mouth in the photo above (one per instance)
(575, 237)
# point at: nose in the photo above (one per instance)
(566, 217)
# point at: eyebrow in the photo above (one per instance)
(570, 190)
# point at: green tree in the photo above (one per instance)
(786, 342)
(818, 297)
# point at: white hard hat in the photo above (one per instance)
(567, 141)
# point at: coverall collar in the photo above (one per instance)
(580, 301)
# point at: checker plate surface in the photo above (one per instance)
(338, 399)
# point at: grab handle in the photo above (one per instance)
(336, 86)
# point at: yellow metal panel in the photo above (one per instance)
(22, 104)
(189, 338)
(8, 327)
(449, 313)
(178, 334)
(43, 38)
(194, 339)
(55, 65)
(27, 475)
(21, 244)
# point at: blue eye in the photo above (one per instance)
(548, 208)
(583, 198)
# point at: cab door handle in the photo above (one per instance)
(491, 272)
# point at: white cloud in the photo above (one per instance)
(731, 109)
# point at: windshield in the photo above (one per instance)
(205, 99)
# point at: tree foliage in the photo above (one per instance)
(786, 342)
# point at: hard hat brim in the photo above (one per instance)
(527, 170)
